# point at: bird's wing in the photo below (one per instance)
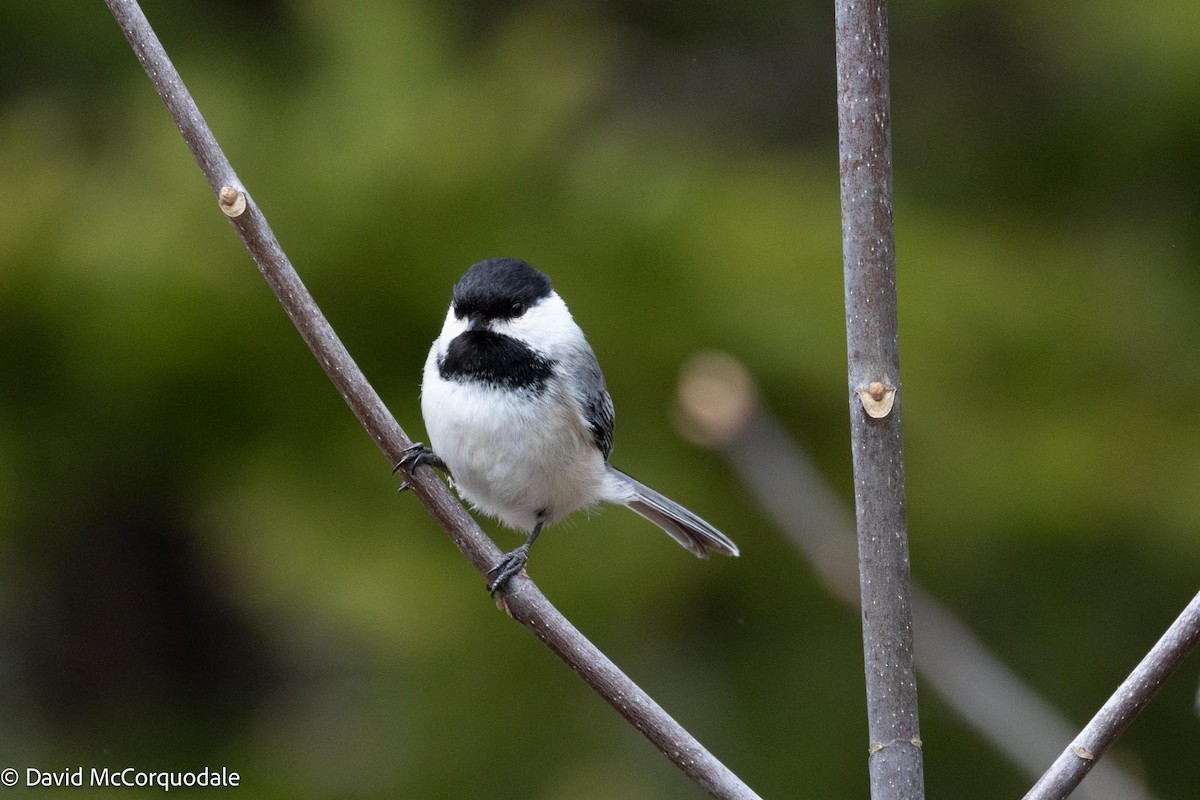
(595, 403)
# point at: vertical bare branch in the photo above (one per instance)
(864, 133)
(522, 600)
(1115, 715)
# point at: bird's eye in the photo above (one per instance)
(517, 308)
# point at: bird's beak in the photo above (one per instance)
(476, 322)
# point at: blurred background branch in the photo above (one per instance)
(720, 407)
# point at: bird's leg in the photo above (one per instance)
(414, 456)
(512, 562)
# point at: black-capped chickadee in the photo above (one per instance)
(519, 418)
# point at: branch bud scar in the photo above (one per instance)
(877, 399)
(231, 201)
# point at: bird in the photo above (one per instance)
(520, 420)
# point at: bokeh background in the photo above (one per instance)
(203, 560)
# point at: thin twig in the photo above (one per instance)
(868, 255)
(719, 407)
(523, 600)
(1115, 715)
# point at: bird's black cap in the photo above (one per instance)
(496, 287)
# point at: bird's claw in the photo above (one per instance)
(509, 565)
(416, 455)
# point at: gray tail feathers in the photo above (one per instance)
(695, 534)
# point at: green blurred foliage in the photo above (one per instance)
(205, 563)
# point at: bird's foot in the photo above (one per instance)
(509, 565)
(414, 456)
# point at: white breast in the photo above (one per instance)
(513, 454)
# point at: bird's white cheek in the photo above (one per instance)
(546, 327)
(452, 327)
(450, 330)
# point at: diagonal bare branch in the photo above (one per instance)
(522, 599)
(1115, 715)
